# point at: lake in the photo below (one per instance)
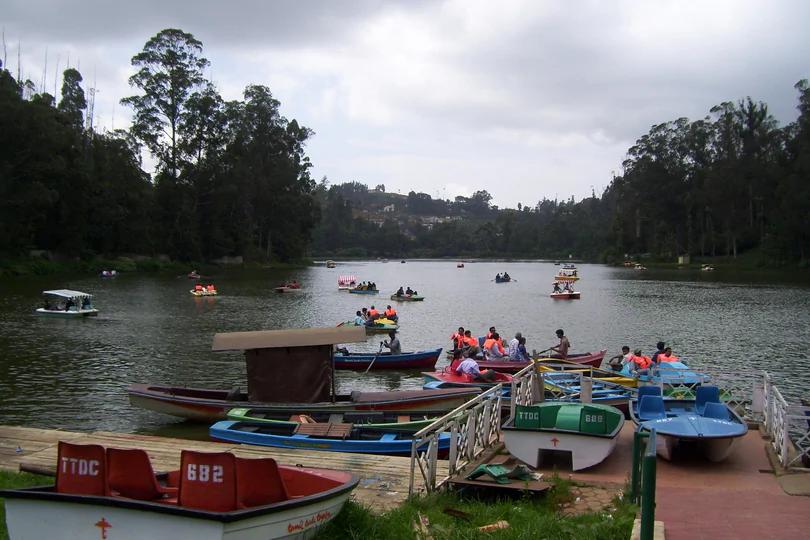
(73, 374)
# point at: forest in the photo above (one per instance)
(232, 178)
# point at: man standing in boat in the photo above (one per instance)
(564, 345)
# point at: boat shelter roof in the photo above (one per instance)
(67, 293)
(273, 339)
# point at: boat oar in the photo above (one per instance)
(544, 351)
(375, 358)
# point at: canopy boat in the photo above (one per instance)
(593, 359)
(380, 326)
(327, 437)
(407, 297)
(704, 421)
(573, 295)
(346, 283)
(588, 432)
(372, 361)
(364, 291)
(67, 304)
(304, 384)
(331, 264)
(212, 496)
(391, 421)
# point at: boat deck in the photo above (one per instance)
(383, 479)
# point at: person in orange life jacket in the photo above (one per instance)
(659, 349)
(458, 341)
(493, 347)
(469, 341)
(641, 364)
(373, 315)
(198, 287)
(564, 345)
(667, 356)
(469, 367)
(491, 331)
(210, 287)
(391, 313)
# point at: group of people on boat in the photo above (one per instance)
(406, 292)
(200, 288)
(566, 287)
(369, 317)
(503, 277)
(294, 284)
(491, 347)
(367, 286)
(641, 363)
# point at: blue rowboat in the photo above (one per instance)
(408, 360)
(325, 437)
(364, 291)
(703, 421)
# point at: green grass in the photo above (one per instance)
(10, 480)
(529, 518)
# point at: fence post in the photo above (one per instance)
(635, 472)
(648, 490)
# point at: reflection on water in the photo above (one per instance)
(73, 373)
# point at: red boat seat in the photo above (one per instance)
(81, 469)
(258, 482)
(208, 481)
(130, 474)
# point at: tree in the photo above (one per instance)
(73, 102)
(170, 68)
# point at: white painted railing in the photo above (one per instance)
(787, 425)
(473, 427)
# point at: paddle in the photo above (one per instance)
(541, 352)
(375, 358)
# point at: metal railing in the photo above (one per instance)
(473, 427)
(788, 426)
(642, 480)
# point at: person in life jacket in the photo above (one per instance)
(198, 287)
(493, 347)
(210, 287)
(458, 341)
(491, 331)
(373, 314)
(468, 342)
(667, 356)
(391, 313)
(640, 363)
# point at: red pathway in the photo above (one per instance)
(739, 498)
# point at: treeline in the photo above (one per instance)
(231, 177)
(731, 182)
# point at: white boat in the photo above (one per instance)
(67, 303)
(219, 496)
(586, 431)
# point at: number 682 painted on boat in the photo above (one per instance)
(204, 473)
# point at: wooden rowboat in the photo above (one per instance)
(407, 298)
(565, 295)
(593, 359)
(408, 360)
(390, 420)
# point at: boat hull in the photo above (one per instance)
(363, 291)
(67, 314)
(593, 359)
(406, 298)
(565, 296)
(411, 423)
(35, 515)
(415, 360)
(530, 446)
(203, 293)
(210, 405)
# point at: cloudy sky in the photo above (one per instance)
(526, 99)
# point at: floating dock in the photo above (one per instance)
(383, 479)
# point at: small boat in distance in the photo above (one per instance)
(213, 496)
(407, 297)
(565, 295)
(204, 290)
(194, 275)
(108, 273)
(67, 304)
(639, 267)
(331, 264)
(460, 265)
(707, 268)
(346, 283)
(290, 286)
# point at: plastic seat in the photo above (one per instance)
(259, 482)
(81, 469)
(651, 408)
(704, 395)
(208, 481)
(648, 391)
(130, 474)
(716, 410)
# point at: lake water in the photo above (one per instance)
(73, 373)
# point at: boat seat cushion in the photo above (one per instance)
(259, 482)
(651, 408)
(388, 437)
(130, 474)
(208, 481)
(716, 410)
(81, 469)
(648, 391)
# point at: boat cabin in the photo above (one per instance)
(290, 366)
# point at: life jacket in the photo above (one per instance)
(373, 312)
(210, 287)
(198, 287)
(643, 362)
(670, 358)
(490, 342)
(470, 341)
(390, 312)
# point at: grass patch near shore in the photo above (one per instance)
(11, 480)
(529, 518)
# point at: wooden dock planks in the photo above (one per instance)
(383, 479)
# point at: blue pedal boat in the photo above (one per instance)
(704, 421)
(326, 437)
(668, 373)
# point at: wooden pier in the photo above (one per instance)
(383, 479)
